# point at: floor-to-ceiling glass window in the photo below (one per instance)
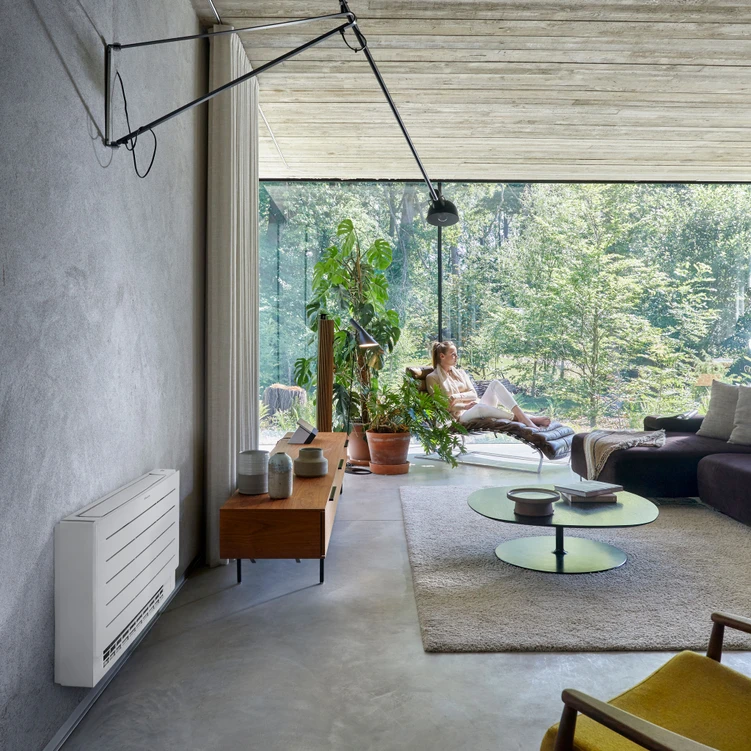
(298, 221)
(600, 302)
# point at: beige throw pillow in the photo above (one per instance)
(720, 419)
(742, 421)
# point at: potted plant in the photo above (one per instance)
(349, 282)
(397, 414)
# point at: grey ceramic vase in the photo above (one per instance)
(311, 463)
(252, 473)
(280, 476)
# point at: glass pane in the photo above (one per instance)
(298, 221)
(597, 303)
(601, 303)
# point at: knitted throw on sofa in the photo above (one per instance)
(600, 444)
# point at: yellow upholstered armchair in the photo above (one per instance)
(692, 703)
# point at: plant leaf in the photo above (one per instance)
(345, 227)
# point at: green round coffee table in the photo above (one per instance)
(574, 555)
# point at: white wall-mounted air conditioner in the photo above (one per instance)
(115, 564)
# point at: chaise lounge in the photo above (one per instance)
(552, 442)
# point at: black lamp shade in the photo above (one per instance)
(442, 213)
(364, 339)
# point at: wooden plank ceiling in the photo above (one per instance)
(508, 89)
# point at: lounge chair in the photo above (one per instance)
(552, 443)
(692, 703)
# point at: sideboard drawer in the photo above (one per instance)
(331, 506)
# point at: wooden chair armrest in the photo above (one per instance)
(645, 734)
(719, 621)
(734, 621)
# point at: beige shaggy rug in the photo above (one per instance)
(688, 563)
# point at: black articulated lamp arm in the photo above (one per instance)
(111, 48)
(441, 212)
(377, 73)
(265, 27)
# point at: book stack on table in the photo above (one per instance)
(589, 491)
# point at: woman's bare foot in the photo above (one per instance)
(541, 422)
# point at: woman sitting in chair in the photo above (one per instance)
(464, 403)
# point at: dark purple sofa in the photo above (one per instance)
(725, 484)
(716, 471)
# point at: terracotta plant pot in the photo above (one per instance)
(359, 453)
(388, 453)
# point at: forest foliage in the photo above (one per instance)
(603, 302)
(349, 284)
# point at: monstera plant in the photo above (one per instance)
(398, 414)
(349, 282)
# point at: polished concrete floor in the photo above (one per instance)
(281, 663)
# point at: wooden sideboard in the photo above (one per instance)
(254, 526)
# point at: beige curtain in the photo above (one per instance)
(231, 278)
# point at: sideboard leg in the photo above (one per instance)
(239, 570)
(321, 571)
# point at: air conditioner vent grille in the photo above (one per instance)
(115, 566)
(121, 640)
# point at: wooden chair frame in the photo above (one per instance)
(643, 733)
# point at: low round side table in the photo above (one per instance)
(556, 555)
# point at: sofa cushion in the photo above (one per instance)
(719, 420)
(667, 472)
(673, 423)
(725, 484)
(742, 421)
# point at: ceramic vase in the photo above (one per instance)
(252, 472)
(280, 476)
(311, 463)
(533, 501)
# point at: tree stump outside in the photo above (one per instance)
(281, 398)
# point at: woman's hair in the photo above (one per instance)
(440, 348)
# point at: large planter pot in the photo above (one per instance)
(388, 453)
(359, 453)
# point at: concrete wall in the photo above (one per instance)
(101, 305)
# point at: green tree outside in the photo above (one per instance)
(601, 302)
